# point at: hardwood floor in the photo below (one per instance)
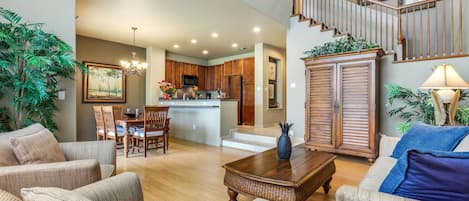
(192, 172)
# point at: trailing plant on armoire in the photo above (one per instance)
(32, 62)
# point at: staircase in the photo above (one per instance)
(254, 139)
(426, 29)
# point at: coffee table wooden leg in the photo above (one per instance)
(233, 195)
(327, 186)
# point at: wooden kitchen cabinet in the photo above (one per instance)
(248, 103)
(227, 66)
(342, 103)
(169, 71)
(218, 76)
(237, 67)
(209, 78)
(234, 67)
(178, 70)
(201, 76)
(248, 70)
(190, 69)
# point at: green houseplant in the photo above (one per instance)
(341, 45)
(412, 106)
(32, 62)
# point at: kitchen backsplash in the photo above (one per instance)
(190, 93)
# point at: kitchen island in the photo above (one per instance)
(204, 121)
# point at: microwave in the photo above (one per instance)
(190, 80)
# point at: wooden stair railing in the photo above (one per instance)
(427, 29)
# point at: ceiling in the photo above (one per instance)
(163, 23)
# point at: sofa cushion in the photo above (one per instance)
(377, 173)
(428, 137)
(106, 170)
(37, 148)
(50, 194)
(6, 196)
(463, 146)
(8, 156)
(430, 175)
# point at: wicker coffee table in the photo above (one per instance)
(264, 176)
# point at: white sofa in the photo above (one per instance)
(367, 190)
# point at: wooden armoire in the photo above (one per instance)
(342, 103)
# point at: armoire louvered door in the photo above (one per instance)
(320, 101)
(355, 86)
(341, 103)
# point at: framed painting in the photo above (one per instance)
(273, 68)
(104, 83)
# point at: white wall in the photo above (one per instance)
(59, 19)
(265, 117)
(259, 75)
(300, 37)
(156, 59)
(273, 115)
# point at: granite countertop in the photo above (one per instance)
(199, 103)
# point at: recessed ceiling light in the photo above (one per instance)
(176, 46)
(205, 52)
(235, 45)
(193, 41)
(256, 29)
(214, 35)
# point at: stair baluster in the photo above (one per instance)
(402, 35)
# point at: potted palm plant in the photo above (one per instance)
(32, 62)
(410, 107)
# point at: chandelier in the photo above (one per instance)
(134, 66)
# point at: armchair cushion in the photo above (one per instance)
(430, 175)
(123, 187)
(107, 170)
(6, 196)
(67, 175)
(50, 194)
(103, 151)
(37, 148)
(8, 156)
(428, 137)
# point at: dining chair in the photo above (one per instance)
(118, 110)
(113, 131)
(100, 129)
(155, 128)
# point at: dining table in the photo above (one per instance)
(128, 121)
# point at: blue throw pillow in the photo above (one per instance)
(428, 137)
(430, 175)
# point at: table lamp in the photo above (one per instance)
(445, 80)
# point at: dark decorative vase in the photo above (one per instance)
(284, 142)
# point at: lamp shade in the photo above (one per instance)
(445, 77)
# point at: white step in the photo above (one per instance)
(247, 145)
(253, 137)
